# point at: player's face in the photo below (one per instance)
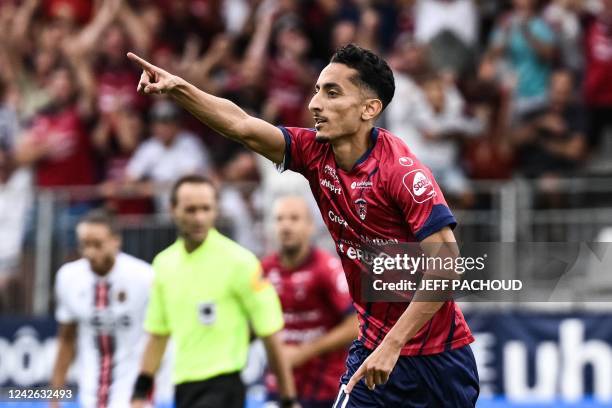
(338, 104)
(293, 223)
(98, 245)
(195, 211)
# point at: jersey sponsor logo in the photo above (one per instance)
(337, 219)
(406, 161)
(307, 316)
(207, 313)
(362, 208)
(331, 186)
(360, 184)
(420, 187)
(331, 171)
(354, 253)
(377, 241)
(104, 322)
(121, 296)
(302, 335)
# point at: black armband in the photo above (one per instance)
(143, 386)
(288, 402)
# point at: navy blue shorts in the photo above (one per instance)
(448, 379)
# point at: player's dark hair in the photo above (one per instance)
(374, 73)
(190, 179)
(101, 216)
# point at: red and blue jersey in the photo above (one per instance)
(388, 197)
(315, 299)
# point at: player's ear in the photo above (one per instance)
(371, 109)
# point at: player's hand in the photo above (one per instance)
(153, 80)
(377, 368)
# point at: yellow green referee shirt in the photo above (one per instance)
(205, 300)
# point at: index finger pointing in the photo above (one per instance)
(144, 64)
(355, 379)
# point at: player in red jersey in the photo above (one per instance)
(320, 321)
(370, 189)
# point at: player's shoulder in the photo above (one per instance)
(304, 136)
(133, 265)
(73, 270)
(306, 133)
(235, 256)
(396, 156)
(270, 261)
(167, 257)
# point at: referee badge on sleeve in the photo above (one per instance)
(207, 313)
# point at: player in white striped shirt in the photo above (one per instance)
(101, 301)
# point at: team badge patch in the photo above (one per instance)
(362, 208)
(207, 313)
(419, 186)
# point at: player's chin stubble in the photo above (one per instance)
(322, 139)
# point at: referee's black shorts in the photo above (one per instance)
(224, 391)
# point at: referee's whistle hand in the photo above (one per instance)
(377, 368)
(153, 79)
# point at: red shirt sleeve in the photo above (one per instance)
(300, 149)
(333, 282)
(420, 199)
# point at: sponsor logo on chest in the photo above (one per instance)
(358, 185)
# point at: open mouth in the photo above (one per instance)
(319, 122)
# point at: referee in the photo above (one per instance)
(206, 293)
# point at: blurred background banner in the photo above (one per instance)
(530, 356)
(525, 358)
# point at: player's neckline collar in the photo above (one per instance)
(364, 157)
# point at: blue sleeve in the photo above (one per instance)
(286, 163)
(439, 218)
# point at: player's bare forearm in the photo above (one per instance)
(338, 337)
(231, 121)
(279, 366)
(220, 114)
(377, 367)
(440, 244)
(65, 354)
(153, 354)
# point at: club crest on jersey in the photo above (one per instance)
(419, 186)
(362, 208)
(207, 313)
(406, 161)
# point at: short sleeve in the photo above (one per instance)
(421, 201)
(63, 313)
(156, 320)
(258, 298)
(300, 148)
(335, 287)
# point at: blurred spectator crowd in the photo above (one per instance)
(486, 89)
